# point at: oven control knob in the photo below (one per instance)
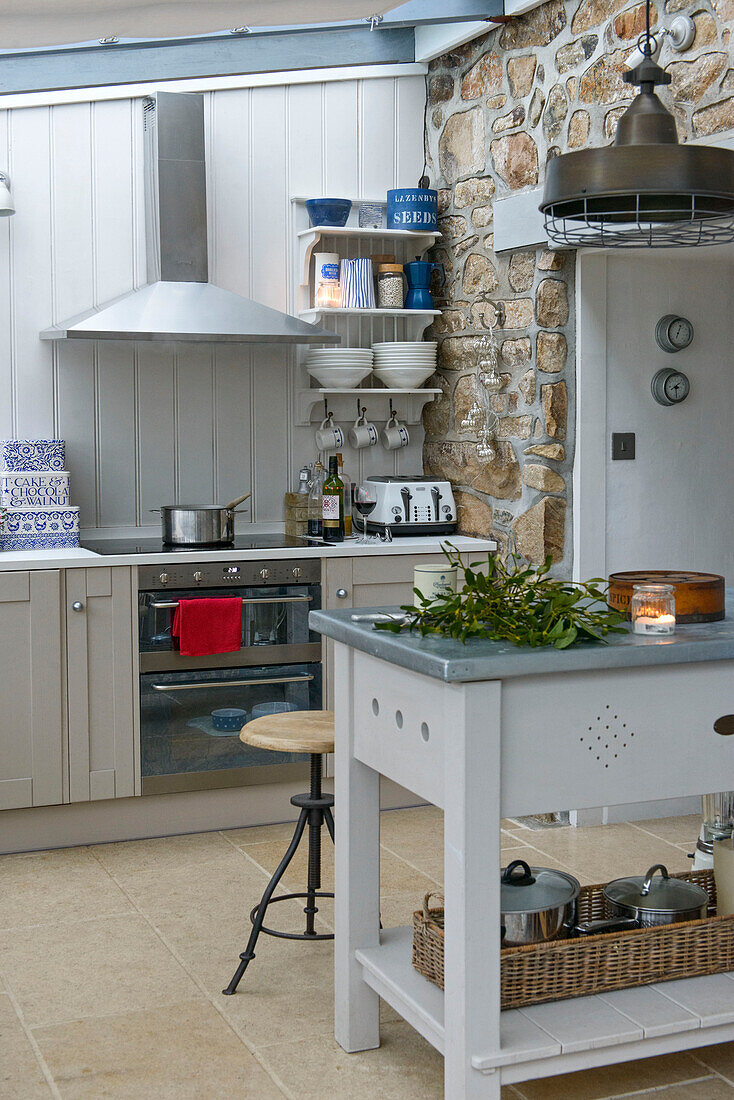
(297, 572)
(264, 574)
(163, 578)
(198, 575)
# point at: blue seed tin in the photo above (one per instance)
(412, 208)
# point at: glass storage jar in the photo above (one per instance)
(390, 286)
(652, 609)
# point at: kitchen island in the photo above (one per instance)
(485, 731)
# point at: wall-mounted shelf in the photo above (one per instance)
(309, 238)
(315, 315)
(343, 403)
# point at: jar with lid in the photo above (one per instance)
(652, 609)
(390, 286)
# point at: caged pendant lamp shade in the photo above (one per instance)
(646, 190)
(7, 206)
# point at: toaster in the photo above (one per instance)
(412, 506)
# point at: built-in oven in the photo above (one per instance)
(192, 708)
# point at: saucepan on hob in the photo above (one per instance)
(539, 904)
(207, 525)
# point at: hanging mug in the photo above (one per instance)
(394, 435)
(329, 436)
(362, 433)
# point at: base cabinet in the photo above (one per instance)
(32, 726)
(101, 683)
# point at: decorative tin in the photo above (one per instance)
(39, 542)
(35, 489)
(32, 454)
(370, 215)
(412, 208)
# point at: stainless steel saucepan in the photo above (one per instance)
(537, 904)
(210, 525)
(644, 901)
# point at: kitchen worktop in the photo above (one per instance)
(452, 661)
(81, 558)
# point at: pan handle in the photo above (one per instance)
(238, 500)
(155, 510)
(598, 927)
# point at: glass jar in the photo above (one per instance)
(390, 286)
(652, 609)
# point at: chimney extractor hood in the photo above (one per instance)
(178, 302)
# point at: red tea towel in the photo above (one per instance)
(208, 626)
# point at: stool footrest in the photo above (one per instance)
(294, 935)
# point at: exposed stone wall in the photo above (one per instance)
(498, 109)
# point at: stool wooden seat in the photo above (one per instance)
(312, 732)
(292, 731)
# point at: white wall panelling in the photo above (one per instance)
(146, 423)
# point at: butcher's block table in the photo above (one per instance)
(486, 731)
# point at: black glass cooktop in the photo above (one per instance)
(157, 546)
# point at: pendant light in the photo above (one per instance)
(646, 190)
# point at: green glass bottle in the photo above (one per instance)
(333, 504)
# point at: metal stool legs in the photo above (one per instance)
(315, 812)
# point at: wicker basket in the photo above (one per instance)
(593, 964)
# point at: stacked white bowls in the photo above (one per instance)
(405, 364)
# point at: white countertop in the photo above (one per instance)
(76, 558)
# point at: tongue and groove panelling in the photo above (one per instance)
(148, 423)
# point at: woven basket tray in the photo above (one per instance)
(593, 964)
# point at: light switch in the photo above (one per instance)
(623, 445)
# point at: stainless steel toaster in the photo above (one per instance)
(413, 505)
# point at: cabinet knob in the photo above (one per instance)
(77, 606)
(725, 725)
(341, 593)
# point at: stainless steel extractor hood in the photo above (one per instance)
(178, 302)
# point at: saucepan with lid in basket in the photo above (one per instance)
(646, 901)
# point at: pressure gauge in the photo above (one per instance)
(670, 387)
(673, 333)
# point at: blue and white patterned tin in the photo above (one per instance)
(32, 454)
(357, 284)
(35, 489)
(412, 208)
(27, 522)
(39, 542)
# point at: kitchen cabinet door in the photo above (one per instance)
(31, 707)
(102, 689)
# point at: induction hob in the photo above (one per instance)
(109, 547)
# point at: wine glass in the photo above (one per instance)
(365, 500)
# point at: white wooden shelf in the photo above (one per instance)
(309, 238)
(341, 311)
(411, 407)
(562, 1036)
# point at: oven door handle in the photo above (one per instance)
(232, 683)
(162, 605)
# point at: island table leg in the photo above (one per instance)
(356, 871)
(472, 889)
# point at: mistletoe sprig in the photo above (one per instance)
(516, 603)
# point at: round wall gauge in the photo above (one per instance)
(673, 333)
(670, 387)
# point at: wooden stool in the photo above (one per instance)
(310, 731)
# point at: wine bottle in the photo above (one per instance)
(315, 505)
(332, 515)
(346, 481)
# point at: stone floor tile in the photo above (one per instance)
(710, 1088)
(66, 884)
(719, 1058)
(181, 1052)
(598, 853)
(61, 972)
(160, 852)
(260, 834)
(675, 830)
(21, 1077)
(612, 1081)
(423, 824)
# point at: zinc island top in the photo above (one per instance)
(479, 659)
(488, 730)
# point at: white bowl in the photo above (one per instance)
(327, 353)
(340, 378)
(410, 356)
(406, 344)
(403, 378)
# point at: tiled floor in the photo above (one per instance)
(112, 961)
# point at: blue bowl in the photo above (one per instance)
(328, 211)
(229, 719)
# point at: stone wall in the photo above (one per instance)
(498, 109)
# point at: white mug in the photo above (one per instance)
(329, 436)
(362, 433)
(394, 435)
(435, 580)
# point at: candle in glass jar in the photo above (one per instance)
(652, 609)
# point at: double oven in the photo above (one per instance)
(192, 708)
